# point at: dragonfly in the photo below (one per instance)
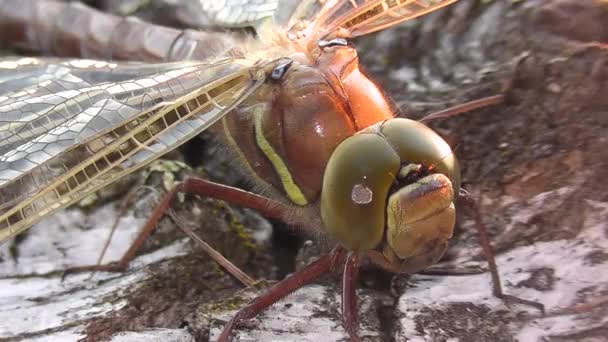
(318, 137)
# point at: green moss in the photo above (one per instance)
(241, 231)
(221, 207)
(171, 171)
(89, 200)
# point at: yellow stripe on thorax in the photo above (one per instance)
(291, 188)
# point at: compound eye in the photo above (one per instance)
(356, 183)
(417, 144)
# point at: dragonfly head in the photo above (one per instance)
(391, 188)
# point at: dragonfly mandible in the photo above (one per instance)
(383, 188)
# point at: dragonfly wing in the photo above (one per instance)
(227, 13)
(314, 19)
(66, 135)
(38, 95)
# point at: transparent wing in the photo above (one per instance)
(316, 18)
(68, 128)
(235, 13)
(199, 13)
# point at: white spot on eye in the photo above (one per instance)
(361, 194)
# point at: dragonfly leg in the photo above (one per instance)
(263, 205)
(308, 274)
(122, 211)
(350, 313)
(482, 102)
(486, 246)
(194, 186)
(122, 264)
(451, 272)
(463, 108)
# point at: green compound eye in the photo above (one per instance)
(359, 175)
(418, 144)
(356, 182)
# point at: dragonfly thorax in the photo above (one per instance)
(304, 111)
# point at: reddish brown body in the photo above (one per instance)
(320, 104)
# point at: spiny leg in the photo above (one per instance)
(451, 272)
(486, 246)
(350, 313)
(122, 211)
(308, 274)
(470, 202)
(213, 253)
(122, 264)
(193, 186)
(463, 108)
(482, 102)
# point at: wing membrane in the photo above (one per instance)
(358, 17)
(232, 13)
(80, 129)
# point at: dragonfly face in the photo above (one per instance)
(381, 183)
(390, 189)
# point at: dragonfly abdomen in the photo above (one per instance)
(71, 29)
